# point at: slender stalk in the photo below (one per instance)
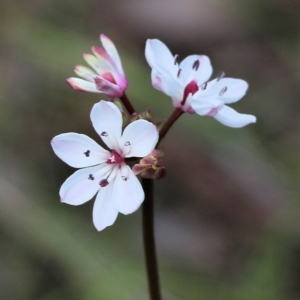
(127, 104)
(149, 241)
(168, 124)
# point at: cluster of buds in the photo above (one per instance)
(151, 166)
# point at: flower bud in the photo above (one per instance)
(151, 166)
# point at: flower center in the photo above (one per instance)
(191, 88)
(115, 158)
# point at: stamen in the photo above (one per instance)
(196, 65)
(220, 75)
(127, 143)
(91, 177)
(124, 178)
(104, 133)
(103, 183)
(178, 73)
(87, 153)
(203, 86)
(176, 59)
(223, 90)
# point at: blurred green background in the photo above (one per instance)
(227, 214)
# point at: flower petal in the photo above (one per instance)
(128, 193)
(205, 106)
(112, 51)
(85, 73)
(195, 67)
(82, 85)
(231, 118)
(160, 57)
(139, 139)
(229, 90)
(83, 184)
(107, 121)
(78, 150)
(99, 64)
(168, 85)
(104, 211)
(110, 89)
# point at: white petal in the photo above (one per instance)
(128, 193)
(82, 85)
(164, 70)
(231, 118)
(159, 57)
(139, 139)
(112, 51)
(78, 150)
(107, 121)
(235, 89)
(205, 106)
(85, 73)
(104, 211)
(83, 184)
(168, 85)
(190, 72)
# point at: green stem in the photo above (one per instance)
(149, 241)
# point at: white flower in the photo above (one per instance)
(186, 83)
(105, 171)
(107, 77)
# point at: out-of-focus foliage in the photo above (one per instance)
(227, 213)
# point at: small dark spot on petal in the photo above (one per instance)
(176, 59)
(87, 153)
(127, 143)
(91, 177)
(104, 133)
(124, 178)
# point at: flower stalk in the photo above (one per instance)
(127, 104)
(149, 240)
(169, 123)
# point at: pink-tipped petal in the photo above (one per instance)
(231, 118)
(107, 121)
(112, 51)
(128, 193)
(105, 86)
(139, 138)
(78, 150)
(82, 85)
